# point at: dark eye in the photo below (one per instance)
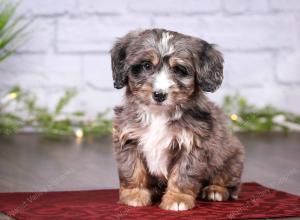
(180, 70)
(144, 66)
(147, 66)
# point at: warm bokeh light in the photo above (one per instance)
(79, 133)
(233, 117)
(13, 95)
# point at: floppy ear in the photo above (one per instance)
(118, 56)
(210, 70)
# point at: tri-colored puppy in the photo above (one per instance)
(171, 143)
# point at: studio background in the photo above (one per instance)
(69, 43)
(57, 141)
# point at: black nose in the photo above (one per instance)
(159, 96)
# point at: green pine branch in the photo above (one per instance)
(27, 113)
(249, 118)
(19, 110)
(12, 29)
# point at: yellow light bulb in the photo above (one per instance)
(12, 95)
(233, 117)
(79, 133)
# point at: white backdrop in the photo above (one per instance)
(70, 40)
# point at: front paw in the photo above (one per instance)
(177, 201)
(135, 197)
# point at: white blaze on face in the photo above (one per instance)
(164, 46)
(162, 81)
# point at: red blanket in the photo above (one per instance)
(255, 201)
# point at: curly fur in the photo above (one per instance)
(179, 148)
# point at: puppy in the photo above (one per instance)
(171, 143)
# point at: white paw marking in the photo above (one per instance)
(178, 206)
(218, 196)
(215, 196)
(235, 197)
(133, 203)
(182, 206)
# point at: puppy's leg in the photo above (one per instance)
(133, 177)
(134, 190)
(179, 196)
(226, 183)
(183, 185)
(222, 188)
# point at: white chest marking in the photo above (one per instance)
(157, 139)
(155, 142)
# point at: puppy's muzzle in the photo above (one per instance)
(159, 96)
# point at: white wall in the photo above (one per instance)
(70, 40)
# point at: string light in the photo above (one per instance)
(9, 97)
(79, 133)
(12, 95)
(233, 117)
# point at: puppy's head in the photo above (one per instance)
(165, 68)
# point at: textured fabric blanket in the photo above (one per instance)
(255, 201)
